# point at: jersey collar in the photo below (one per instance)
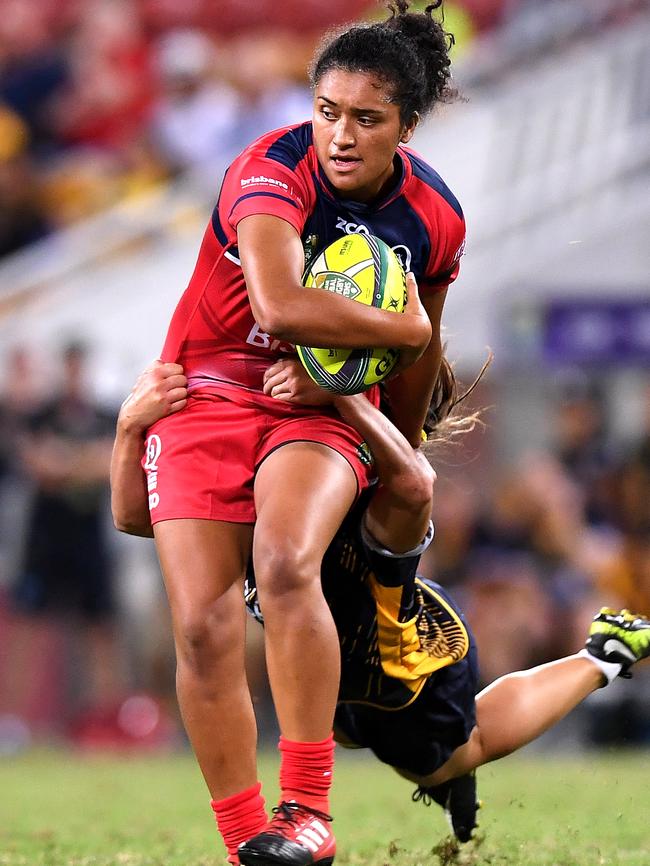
(403, 172)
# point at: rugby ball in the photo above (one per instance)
(362, 268)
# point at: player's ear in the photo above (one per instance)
(409, 128)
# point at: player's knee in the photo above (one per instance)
(283, 573)
(203, 639)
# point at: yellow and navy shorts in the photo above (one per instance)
(421, 736)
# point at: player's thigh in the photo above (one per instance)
(303, 490)
(200, 561)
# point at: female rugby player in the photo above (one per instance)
(235, 458)
(409, 669)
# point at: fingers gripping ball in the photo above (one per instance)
(364, 269)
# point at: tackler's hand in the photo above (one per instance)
(160, 390)
(288, 380)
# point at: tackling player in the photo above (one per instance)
(409, 667)
(235, 458)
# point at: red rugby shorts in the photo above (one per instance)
(201, 462)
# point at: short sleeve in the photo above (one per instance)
(444, 269)
(259, 185)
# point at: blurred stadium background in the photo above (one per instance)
(117, 118)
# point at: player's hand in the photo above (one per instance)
(160, 390)
(288, 380)
(419, 322)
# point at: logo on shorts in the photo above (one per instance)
(153, 447)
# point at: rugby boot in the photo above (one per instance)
(296, 836)
(458, 798)
(619, 636)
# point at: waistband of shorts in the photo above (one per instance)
(253, 399)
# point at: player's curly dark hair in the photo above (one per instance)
(444, 420)
(409, 51)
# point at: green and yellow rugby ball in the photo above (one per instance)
(362, 268)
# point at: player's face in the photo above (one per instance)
(356, 132)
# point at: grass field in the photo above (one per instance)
(58, 809)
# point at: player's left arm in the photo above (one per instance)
(410, 393)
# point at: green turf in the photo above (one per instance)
(57, 809)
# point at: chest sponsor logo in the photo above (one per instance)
(258, 337)
(153, 448)
(351, 228)
(402, 252)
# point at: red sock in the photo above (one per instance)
(306, 772)
(239, 818)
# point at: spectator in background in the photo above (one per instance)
(196, 111)
(268, 69)
(503, 572)
(22, 219)
(632, 491)
(108, 99)
(627, 573)
(20, 397)
(486, 14)
(581, 444)
(66, 571)
(521, 545)
(33, 69)
(456, 515)
(102, 114)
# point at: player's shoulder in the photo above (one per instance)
(430, 184)
(288, 146)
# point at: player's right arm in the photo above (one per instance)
(272, 260)
(160, 391)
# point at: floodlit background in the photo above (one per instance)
(117, 118)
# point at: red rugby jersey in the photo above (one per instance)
(213, 333)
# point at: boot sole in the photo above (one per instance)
(252, 858)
